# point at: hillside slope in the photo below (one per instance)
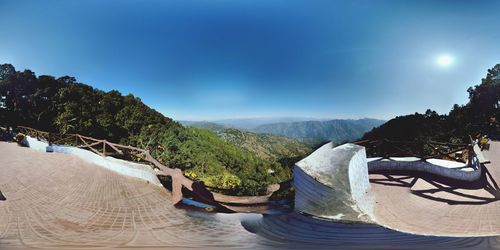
(203, 124)
(265, 146)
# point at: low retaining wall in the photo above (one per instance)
(37, 145)
(123, 167)
(333, 182)
(425, 166)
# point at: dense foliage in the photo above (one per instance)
(63, 105)
(265, 146)
(479, 116)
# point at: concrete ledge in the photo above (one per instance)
(438, 167)
(35, 144)
(123, 167)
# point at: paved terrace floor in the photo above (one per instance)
(57, 201)
(429, 205)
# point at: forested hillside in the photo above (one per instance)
(479, 116)
(204, 124)
(265, 146)
(318, 131)
(64, 105)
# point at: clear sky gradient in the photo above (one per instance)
(248, 58)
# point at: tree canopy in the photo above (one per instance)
(479, 116)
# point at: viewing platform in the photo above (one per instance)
(409, 194)
(426, 204)
(55, 200)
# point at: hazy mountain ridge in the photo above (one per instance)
(251, 123)
(338, 130)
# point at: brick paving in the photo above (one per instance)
(59, 201)
(427, 205)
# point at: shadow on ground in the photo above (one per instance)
(483, 191)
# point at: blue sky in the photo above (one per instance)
(262, 58)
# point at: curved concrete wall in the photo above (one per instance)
(360, 182)
(127, 168)
(333, 183)
(428, 167)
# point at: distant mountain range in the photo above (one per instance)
(312, 131)
(332, 130)
(252, 123)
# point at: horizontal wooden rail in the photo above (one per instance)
(480, 156)
(386, 148)
(477, 152)
(438, 149)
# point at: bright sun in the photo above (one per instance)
(444, 60)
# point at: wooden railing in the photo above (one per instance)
(385, 149)
(420, 149)
(476, 153)
(106, 148)
(383, 154)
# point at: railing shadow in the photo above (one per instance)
(441, 184)
(390, 180)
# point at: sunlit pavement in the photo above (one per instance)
(429, 206)
(57, 201)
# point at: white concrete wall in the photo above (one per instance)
(443, 168)
(35, 144)
(360, 182)
(333, 183)
(127, 168)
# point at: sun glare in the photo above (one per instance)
(444, 60)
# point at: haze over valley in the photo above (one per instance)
(304, 129)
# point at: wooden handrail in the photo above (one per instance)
(89, 146)
(113, 147)
(472, 148)
(477, 152)
(436, 152)
(449, 144)
(64, 138)
(444, 153)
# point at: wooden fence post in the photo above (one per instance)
(176, 190)
(470, 155)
